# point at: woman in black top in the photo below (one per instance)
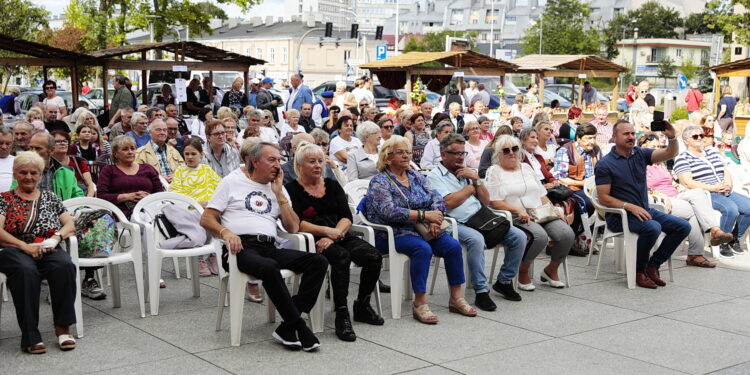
(323, 209)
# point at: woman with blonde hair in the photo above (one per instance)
(34, 113)
(235, 99)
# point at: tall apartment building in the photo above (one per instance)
(367, 13)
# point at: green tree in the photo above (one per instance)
(652, 20)
(729, 21)
(435, 42)
(702, 23)
(20, 19)
(563, 30)
(666, 69)
(689, 69)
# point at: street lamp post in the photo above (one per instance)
(635, 50)
(492, 27)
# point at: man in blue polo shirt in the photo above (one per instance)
(621, 183)
(464, 195)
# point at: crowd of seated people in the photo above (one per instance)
(425, 166)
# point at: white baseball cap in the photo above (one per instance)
(255, 81)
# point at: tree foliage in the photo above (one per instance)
(435, 42)
(702, 23)
(689, 69)
(652, 20)
(730, 21)
(20, 19)
(563, 30)
(666, 69)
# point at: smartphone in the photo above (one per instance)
(658, 124)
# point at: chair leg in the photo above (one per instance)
(114, 275)
(192, 270)
(5, 293)
(154, 273)
(397, 285)
(566, 271)
(594, 236)
(631, 252)
(601, 255)
(77, 305)
(176, 268)
(671, 272)
(236, 305)
(139, 287)
(317, 314)
(435, 274)
(222, 300)
(378, 304)
(495, 254)
(189, 267)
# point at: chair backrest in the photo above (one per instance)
(100, 204)
(589, 186)
(164, 182)
(355, 190)
(147, 209)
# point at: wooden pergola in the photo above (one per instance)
(413, 64)
(573, 66)
(739, 68)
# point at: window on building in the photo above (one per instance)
(541, 3)
(492, 17)
(259, 53)
(596, 10)
(497, 36)
(457, 16)
(522, 3)
(271, 55)
(474, 17)
(284, 55)
(510, 19)
(618, 10)
(678, 52)
(347, 55)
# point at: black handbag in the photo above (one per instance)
(492, 227)
(559, 194)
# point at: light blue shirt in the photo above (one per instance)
(445, 183)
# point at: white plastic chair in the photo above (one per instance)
(152, 206)
(368, 235)
(129, 254)
(626, 243)
(236, 281)
(3, 288)
(589, 186)
(356, 188)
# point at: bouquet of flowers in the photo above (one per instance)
(418, 95)
(500, 90)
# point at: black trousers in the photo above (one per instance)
(264, 261)
(25, 280)
(340, 255)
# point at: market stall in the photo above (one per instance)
(740, 68)
(581, 67)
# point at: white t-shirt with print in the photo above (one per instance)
(57, 100)
(246, 206)
(338, 144)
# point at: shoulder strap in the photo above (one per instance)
(398, 188)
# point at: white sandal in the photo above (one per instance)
(66, 342)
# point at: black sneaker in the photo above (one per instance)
(364, 313)
(736, 247)
(484, 302)
(307, 337)
(286, 335)
(90, 288)
(344, 329)
(507, 291)
(383, 287)
(725, 251)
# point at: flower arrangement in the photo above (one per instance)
(500, 90)
(418, 95)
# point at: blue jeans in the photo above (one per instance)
(735, 212)
(514, 243)
(648, 232)
(420, 253)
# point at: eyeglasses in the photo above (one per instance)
(505, 113)
(322, 144)
(400, 152)
(644, 91)
(61, 142)
(470, 129)
(508, 150)
(387, 127)
(218, 134)
(363, 105)
(697, 136)
(457, 153)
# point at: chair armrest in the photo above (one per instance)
(71, 246)
(302, 241)
(454, 226)
(658, 206)
(368, 234)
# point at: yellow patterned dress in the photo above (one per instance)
(198, 183)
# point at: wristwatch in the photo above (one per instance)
(57, 233)
(478, 182)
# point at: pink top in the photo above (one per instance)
(474, 154)
(659, 179)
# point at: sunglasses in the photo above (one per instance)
(697, 136)
(322, 144)
(388, 127)
(508, 150)
(49, 88)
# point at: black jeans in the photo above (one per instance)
(340, 255)
(25, 281)
(264, 261)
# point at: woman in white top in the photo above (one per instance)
(360, 162)
(515, 108)
(198, 126)
(474, 145)
(342, 98)
(268, 132)
(291, 126)
(514, 186)
(362, 91)
(547, 146)
(50, 89)
(341, 145)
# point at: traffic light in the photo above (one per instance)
(379, 33)
(329, 30)
(353, 33)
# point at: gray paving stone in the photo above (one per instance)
(720, 280)
(9, 325)
(670, 343)
(334, 357)
(432, 370)
(730, 316)
(554, 356)
(650, 301)
(742, 369)
(182, 365)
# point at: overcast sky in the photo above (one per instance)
(265, 8)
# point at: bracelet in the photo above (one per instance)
(283, 202)
(420, 215)
(221, 231)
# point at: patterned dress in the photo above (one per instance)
(31, 220)
(198, 183)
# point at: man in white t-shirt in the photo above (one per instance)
(6, 159)
(243, 212)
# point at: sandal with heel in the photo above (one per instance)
(423, 314)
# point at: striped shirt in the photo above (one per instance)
(701, 168)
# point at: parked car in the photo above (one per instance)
(96, 95)
(29, 98)
(153, 89)
(549, 96)
(382, 94)
(570, 92)
(432, 97)
(660, 93)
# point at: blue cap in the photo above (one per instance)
(268, 80)
(327, 94)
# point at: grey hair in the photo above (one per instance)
(454, 105)
(256, 112)
(28, 157)
(367, 129)
(690, 130)
(319, 134)
(254, 152)
(298, 138)
(443, 124)
(292, 113)
(137, 116)
(305, 150)
(246, 145)
(340, 84)
(4, 130)
(449, 140)
(50, 139)
(526, 133)
(502, 142)
(119, 142)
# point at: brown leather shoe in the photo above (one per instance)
(653, 274)
(644, 281)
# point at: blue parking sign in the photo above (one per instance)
(380, 51)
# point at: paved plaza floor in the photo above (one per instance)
(698, 324)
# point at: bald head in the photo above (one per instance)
(158, 132)
(50, 112)
(299, 138)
